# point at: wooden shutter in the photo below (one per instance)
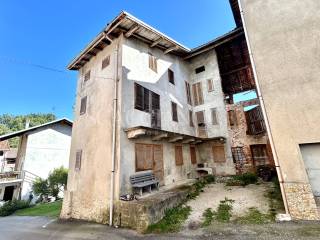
(105, 62)
(178, 155)
(174, 112)
(197, 94)
(146, 100)
(200, 118)
(210, 85)
(171, 76)
(188, 93)
(191, 119)
(152, 62)
(83, 105)
(138, 97)
(87, 76)
(193, 154)
(214, 116)
(232, 117)
(218, 153)
(155, 111)
(144, 157)
(78, 159)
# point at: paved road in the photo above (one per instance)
(40, 228)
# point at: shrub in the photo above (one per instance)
(243, 180)
(266, 172)
(254, 216)
(208, 217)
(10, 207)
(223, 213)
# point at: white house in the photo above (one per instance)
(41, 149)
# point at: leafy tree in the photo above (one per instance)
(57, 181)
(11, 123)
(40, 187)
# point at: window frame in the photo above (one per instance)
(171, 76)
(105, 62)
(83, 105)
(77, 165)
(174, 112)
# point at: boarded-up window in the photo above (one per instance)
(197, 94)
(87, 76)
(78, 160)
(171, 76)
(210, 85)
(218, 153)
(144, 157)
(193, 154)
(178, 155)
(83, 105)
(142, 98)
(191, 119)
(214, 117)
(259, 154)
(232, 118)
(188, 93)
(200, 69)
(152, 62)
(174, 112)
(105, 62)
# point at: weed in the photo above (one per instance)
(172, 221)
(275, 198)
(254, 216)
(243, 180)
(223, 213)
(208, 217)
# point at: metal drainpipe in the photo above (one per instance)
(114, 120)
(264, 113)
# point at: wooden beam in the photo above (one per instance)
(188, 140)
(175, 139)
(136, 133)
(156, 42)
(92, 54)
(160, 136)
(198, 141)
(131, 30)
(170, 49)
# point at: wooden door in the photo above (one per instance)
(158, 162)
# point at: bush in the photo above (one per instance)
(243, 180)
(266, 172)
(11, 206)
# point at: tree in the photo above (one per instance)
(11, 123)
(57, 181)
(40, 187)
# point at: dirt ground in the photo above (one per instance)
(245, 197)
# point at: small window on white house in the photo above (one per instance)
(83, 105)
(78, 160)
(152, 62)
(105, 62)
(200, 69)
(171, 76)
(214, 116)
(87, 76)
(210, 85)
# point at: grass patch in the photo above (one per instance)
(208, 217)
(43, 209)
(275, 198)
(199, 185)
(223, 213)
(242, 180)
(254, 216)
(172, 221)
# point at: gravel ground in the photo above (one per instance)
(245, 197)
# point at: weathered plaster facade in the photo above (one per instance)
(285, 47)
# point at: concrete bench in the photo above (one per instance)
(144, 179)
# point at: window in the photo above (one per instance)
(191, 119)
(87, 76)
(218, 153)
(210, 85)
(78, 159)
(142, 98)
(105, 62)
(238, 155)
(197, 94)
(174, 112)
(259, 154)
(152, 62)
(178, 155)
(214, 116)
(188, 92)
(1, 153)
(255, 122)
(171, 76)
(193, 154)
(200, 119)
(83, 105)
(232, 117)
(200, 69)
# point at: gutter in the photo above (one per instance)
(114, 122)
(264, 113)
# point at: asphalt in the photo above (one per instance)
(39, 228)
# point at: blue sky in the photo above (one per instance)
(37, 33)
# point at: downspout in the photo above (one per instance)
(114, 121)
(264, 113)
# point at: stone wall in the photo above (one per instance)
(301, 202)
